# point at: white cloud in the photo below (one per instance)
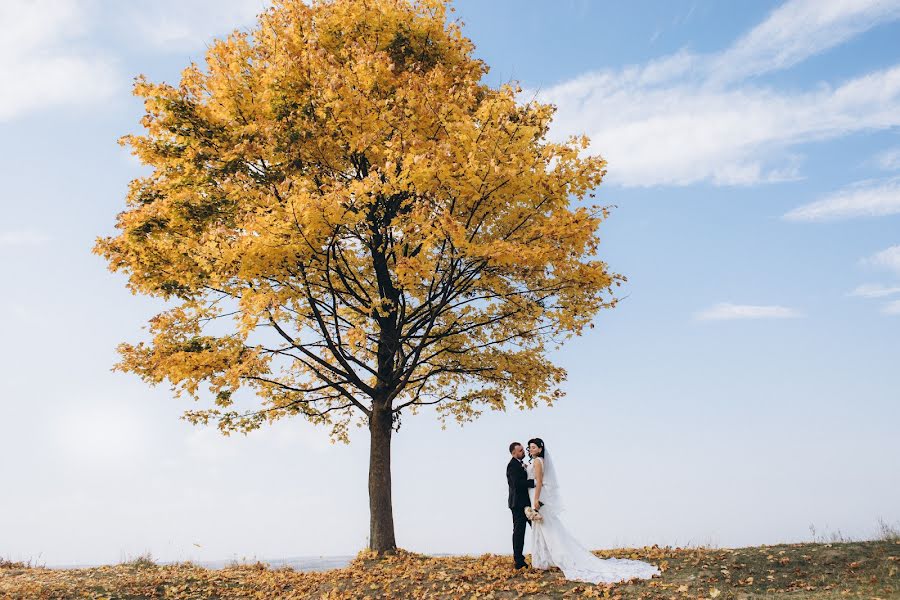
(23, 238)
(800, 29)
(179, 25)
(863, 199)
(726, 311)
(46, 61)
(891, 308)
(42, 62)
(888, 258)
(889, 160)
(687, 118)
(874, 290)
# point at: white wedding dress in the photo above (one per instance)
(553, 546)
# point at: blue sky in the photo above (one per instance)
(746, 387)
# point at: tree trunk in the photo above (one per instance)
(381, 512)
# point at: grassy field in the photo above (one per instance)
(798, 571)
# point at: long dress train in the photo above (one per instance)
(553, 546)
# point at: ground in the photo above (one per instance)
(792, 571)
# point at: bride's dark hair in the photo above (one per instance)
(539, 443)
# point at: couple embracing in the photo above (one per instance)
(535, 500)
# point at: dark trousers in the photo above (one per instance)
(518, 537)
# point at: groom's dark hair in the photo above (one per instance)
(513, 446)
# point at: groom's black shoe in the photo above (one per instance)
(522, 566)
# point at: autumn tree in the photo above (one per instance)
(347, 221)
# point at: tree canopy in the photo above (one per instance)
(349, 222)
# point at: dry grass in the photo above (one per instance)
(795, 571)
(143, 561)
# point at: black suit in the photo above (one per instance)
(517, 479)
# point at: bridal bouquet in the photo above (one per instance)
(533, 515)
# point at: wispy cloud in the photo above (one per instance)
(874, 290)
(863, 199)
(889, 258)
(889, 160)
(43, 60)
(891, 308)
(47, 59)
(688, 118)
(797, 30)
(176, 25)
(23, 238)
(726, 311)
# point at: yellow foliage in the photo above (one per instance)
(347, 219)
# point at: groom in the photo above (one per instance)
(517, 479)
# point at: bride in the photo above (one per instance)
(553, 545)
